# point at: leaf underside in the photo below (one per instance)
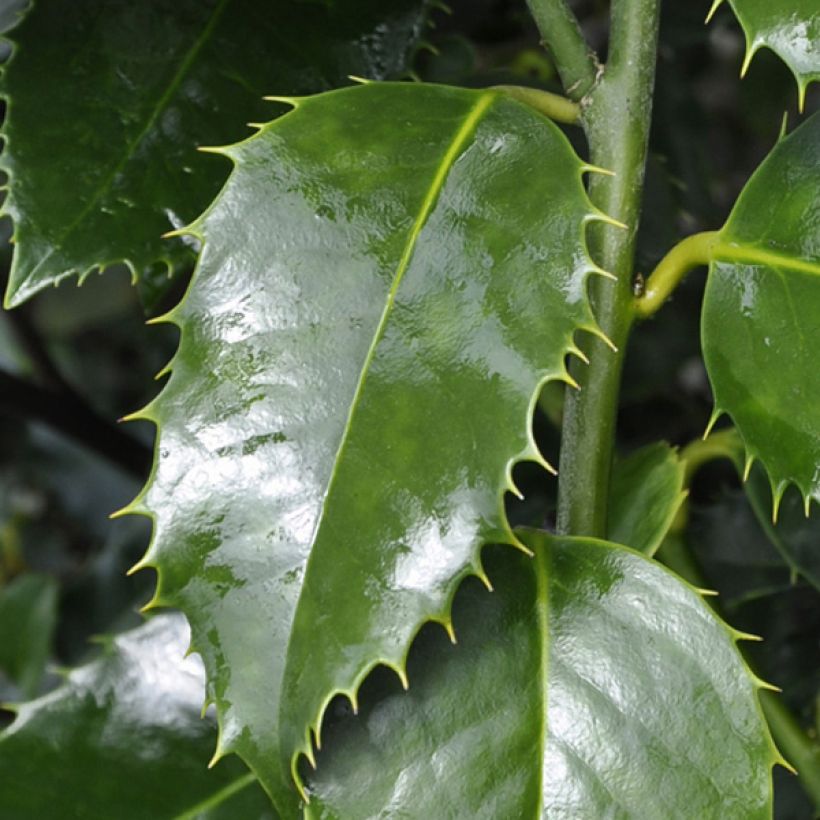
(591, 683)
(361, 349)
(761, 315)
(108, 100)
(123, 737)
(790, 28)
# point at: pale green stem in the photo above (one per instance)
(554, 106)
(576, 63)
(692, 252)
(617, 114)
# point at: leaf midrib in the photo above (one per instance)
(132, 146)
(464, 132)
(726, 251)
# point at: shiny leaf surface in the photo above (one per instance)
(108, 100)
(28, 615)
(790, 28)
(645, 495)
(123, 737)
(569, 694)
(373, 315)
(761, 314)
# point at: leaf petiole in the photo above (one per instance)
(692, 252)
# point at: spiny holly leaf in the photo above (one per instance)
(123, 737)
(790, 28)
(645, 495)
(387, 279)
(591, 683)
(28, 615)
(108, 99)
(761, 314)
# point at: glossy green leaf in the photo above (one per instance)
(591, 683)
(795, 535)
(28, 615)
(761, 314)
(374, 312)
(123, 738)
(645, 496)
(790, 28)
(108, 100)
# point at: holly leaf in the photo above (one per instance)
(123, 737)
(645, 496)
(374, 313)
(760, 328)
(28, 615)
(562, 699)
(107, 102)
(790, 28)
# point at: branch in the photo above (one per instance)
(73, 417)
(576, 62)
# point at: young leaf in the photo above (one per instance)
(760, 329)
(387, 279)
(28, 615)
(790, 28)
(645, 495)
(591, 683)
(123, 737)
(107, 101)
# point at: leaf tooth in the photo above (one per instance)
(751, 50)
(747, 465)
(595, 330)
(295, 102)
(574, 350)
(706, 593)
(586, 168)
(715, 6)
(778, 488)
(762, 684)
(360, 80)
(739, 635)
(716, 414)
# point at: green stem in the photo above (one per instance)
(692, 252)
(575, 61)
(616, 119)
(554, 106)
(796, 746)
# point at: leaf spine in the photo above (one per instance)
(715, 6)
